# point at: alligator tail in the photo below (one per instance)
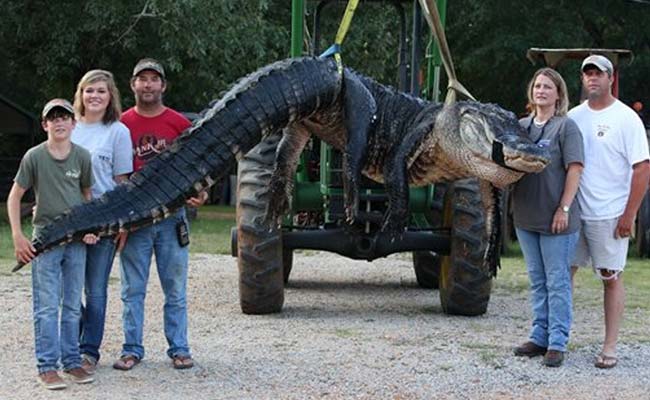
(260, 104)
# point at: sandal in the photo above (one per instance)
(126, 362)
(603, 361)
(182, 362)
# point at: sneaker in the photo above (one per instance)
(79, 375)
(553, 358)
(89, 364)
(51, 380)
(529, 349)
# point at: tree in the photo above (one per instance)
(206, 45)
(489, 41)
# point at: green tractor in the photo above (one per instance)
(446, 232)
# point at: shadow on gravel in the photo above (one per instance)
(361, 285)
(366, 313)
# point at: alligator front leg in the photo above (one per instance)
(396, 171)
(288, 153)
(360, 109)
(491, 199)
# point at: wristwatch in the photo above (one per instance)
(565, 209)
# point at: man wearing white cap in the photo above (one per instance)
(614, 180)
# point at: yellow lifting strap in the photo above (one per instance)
(432, 16)
(343, 30)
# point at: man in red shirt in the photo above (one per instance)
(153, 128)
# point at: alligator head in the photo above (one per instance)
(490, 144)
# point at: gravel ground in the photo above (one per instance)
(349, 329)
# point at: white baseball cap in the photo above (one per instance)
(598, 61)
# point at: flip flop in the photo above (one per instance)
(603, 361)
(126, 362)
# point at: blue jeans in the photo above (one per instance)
(548, 260)
(99, 260)
(57, 281)
(171, 259)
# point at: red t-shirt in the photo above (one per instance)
(152, 135)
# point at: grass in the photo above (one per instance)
(513, 278)
(210, 233)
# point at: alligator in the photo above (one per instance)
(387, 135)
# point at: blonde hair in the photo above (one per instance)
(562, 103)
(114, 109)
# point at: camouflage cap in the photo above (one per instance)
(57, 103)
(149, 64)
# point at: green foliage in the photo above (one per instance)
(208, 44)
(489, 40)
(204, 44)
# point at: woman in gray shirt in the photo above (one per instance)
(546, 218)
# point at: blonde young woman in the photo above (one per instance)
(99, 130)
(547, 219)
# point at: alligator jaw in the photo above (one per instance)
(527, 161)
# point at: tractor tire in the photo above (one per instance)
(427, 269)
(259, 247)
(465, 284)
(427, 263)
(643, 228)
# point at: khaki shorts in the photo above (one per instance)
(598, 248)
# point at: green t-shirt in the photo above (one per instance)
(57, 184)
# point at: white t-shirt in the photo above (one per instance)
(110, 149)
(614, 141)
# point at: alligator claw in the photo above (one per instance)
(350, 214)
(394, 226)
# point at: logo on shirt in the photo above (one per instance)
(73, 173)
(149, 146)
(601, 130)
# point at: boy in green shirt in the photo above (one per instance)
(60, 174)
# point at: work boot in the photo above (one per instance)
(553, 358)
(529, 349)
(79, 375)
(88, 363)
(51, 380)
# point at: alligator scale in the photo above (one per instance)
(389, 136)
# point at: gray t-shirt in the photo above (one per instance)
(57, 183)
(536, 197)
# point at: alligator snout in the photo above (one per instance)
(520, 154)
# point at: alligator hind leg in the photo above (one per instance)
(491, 200)
(360, 109)
(396, 170)
(288, 153)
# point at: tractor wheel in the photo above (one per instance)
(465, 284)
(427, 263)
(259, 247)
(643, 228)
(427, 269)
